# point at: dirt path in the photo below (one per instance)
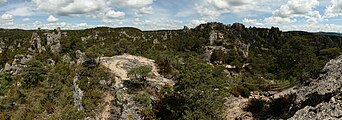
(105, 114)
(234, 109)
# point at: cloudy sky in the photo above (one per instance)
(309, 15)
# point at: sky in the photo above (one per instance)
(305, 15)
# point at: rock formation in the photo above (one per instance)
(78, 93)
(53, 40)
(320, 99)
(125, 106)
(215, 36)
(36, 43)
(18, 63)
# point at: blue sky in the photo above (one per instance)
(308, 15)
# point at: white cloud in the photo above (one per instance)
(7, 17)
(314, 28)
(26, 19)
(6, 21)
(295, 8)
(21, 11)
(335, 9)
(207, 13)
(132, 3)
(140, 7)
(71, 7)
(288, 13)
(233, 5)
(83, 25)
(2, 1)
(157, 24)
(252, 22)
(52, 19)
(145, 10)
(275, 20)
(212, 9)
(114, 14)
(194, 23)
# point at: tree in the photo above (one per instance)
(33, 73)
(5, 80)
(92, 54)
(329, 53)
(198, 94)
(140, 73)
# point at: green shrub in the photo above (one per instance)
(256, 105)
(240, 90)
(140, 73)
(5, 82)
(142, 98)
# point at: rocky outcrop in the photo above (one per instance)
(186, 29)
(18, 63)
(53, 40)
(80, 56)
(320, 99)
(327, 84)
(125, 107)
(238, 26)
(215, 36)
(66, 58)
(54, 37)
(36, 43)
(243, 48)
(211, 26)
(56, 48)
(78, 93)
(331, 110)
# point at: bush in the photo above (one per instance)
(5, 81)
(256, 105)
(280, 108)
(140, 73)
(33, 73)
(143, 99)
(240, 90)
(282, 105)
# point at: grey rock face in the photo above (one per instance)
(186, 29)
(215, 36)
(242, 47)
(327, 83)
(66, 58)
(36, 43)
(81, 58)
(319, 99)
(18, 63)
(324, 111)
(56, 48)
(78, 94)
(53, 40)
(8, 67)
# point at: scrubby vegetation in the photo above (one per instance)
(250, 60)
(279, 108)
